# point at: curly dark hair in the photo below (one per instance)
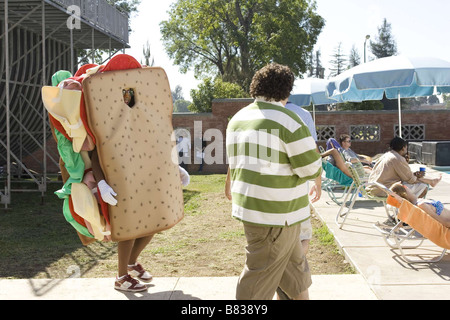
(273, 82)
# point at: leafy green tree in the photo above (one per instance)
(213, 89)
(181, 105)
(125, 6)
(447, 100)
(384, 44)
(233, 39)
(365, 105)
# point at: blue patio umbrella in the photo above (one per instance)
(396, 77)
(311, 91)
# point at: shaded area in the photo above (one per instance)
(35, 237)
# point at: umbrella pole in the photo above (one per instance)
(399, 116)
(314, 114)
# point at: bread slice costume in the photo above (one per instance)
(135, 148)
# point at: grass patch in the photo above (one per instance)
(37, 242)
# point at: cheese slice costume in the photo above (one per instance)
(134, 144)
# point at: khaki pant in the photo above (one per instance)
(275, 259)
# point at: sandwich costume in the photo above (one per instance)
(118, 118)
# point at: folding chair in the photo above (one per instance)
(413, 225)
(333, 181)
(360, 180)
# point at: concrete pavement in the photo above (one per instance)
(387, 274)
(325, 287)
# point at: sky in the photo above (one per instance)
(419, 27)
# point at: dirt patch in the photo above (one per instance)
(207, 242)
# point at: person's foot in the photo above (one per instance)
(129, 284)
(137, 271)
(435, 181)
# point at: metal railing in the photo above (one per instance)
(102, 15)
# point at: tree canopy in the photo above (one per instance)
(233, 39)
(213, 89)
(384, 44)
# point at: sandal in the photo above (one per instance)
(127, 283)
(137, 271)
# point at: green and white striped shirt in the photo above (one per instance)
(271, 155)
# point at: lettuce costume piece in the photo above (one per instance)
(73, 162)
(59, 76)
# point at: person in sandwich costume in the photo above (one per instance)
(100, 211)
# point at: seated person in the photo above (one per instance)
(433, 208)
(392, 167)
(349, 155)
(338, 161)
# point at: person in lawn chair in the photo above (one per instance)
(392, 167)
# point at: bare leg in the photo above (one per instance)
(305, 245)
(444, 218)
(340, 162)
(129, 251)
(431, 182)
(139, 245)
(124, 249)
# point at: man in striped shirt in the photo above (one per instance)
(271, 157)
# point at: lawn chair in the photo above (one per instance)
(360, 179)
(413, 226)
(335, 179)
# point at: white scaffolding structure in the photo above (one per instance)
(38, 38)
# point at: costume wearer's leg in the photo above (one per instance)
(139, 245)
(124, 249)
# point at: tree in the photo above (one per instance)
(446, 98)
(125, 6)
(354, 58)
(233, 39)
(177, 94)
(316, 70)
(181, 106)
(364, 105)
(338, 61)
(385, 44)
(208, 90)
(147, 54)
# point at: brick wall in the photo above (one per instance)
(436, 122)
